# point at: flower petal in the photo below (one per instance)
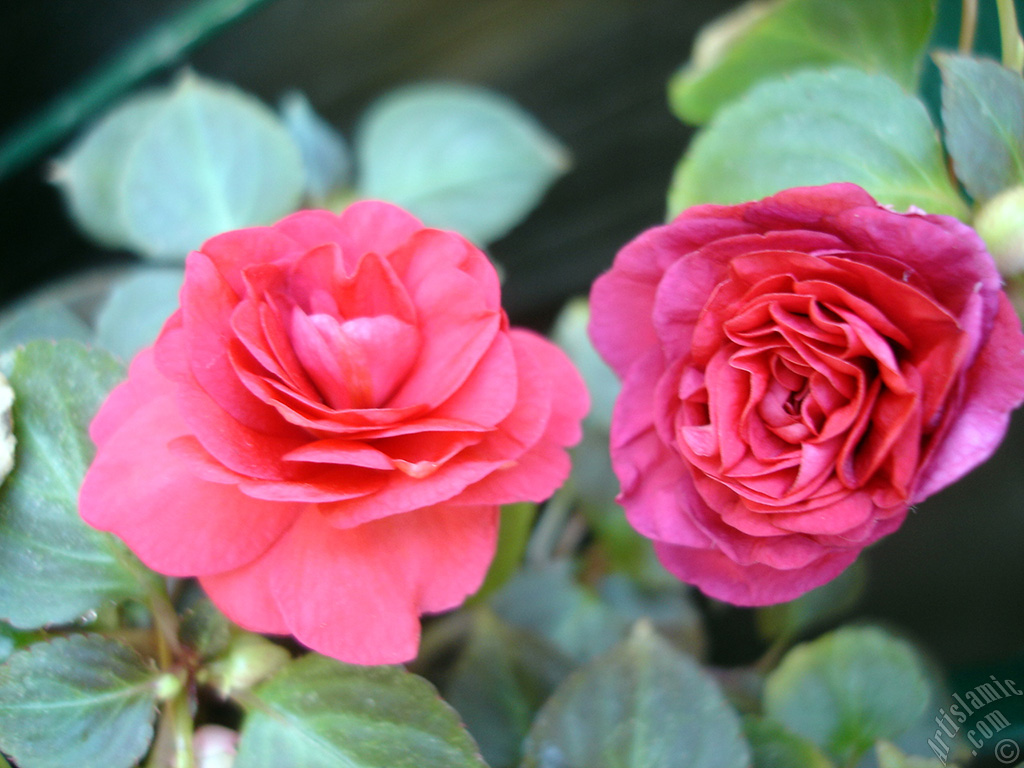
(356, 594)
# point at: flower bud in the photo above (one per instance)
(1000, 222)
(250, 659)
(215, 746)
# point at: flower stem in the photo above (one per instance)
(544, 541)
(968, 25)
(172, 747)
(165, 628)
(163, 45)
(1012, 45)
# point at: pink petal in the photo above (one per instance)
(459, 313)
(233, 251)
(144, 383)
(512, 437)
(207, 304)
(176, 523)
(356, 594)
(244, 596)
(364, 227)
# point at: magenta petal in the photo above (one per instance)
(721, 578)
(657, 491)
(622, 300)
(994, 386)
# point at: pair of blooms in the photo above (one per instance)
(324, 432)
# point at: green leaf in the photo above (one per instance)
(500, 680)
(763, 39)
(847, 689)
(513, 536)
(891, 756)
(89, 174)
(457, 157)
(54, 567)
(320, 713)
(30, 320)
(570, 333)
(211, 160)
(82, 700)
(669, 607)
(983, 112)
(136, 310)
(817, 607)
(775, 747)
(643, 705)
(815, 128)
(325, 155)
(549, 602)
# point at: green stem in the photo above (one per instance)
(173, 745)
(1009, 33)
(162, 46)
(165, 626)
(544, 541)
(968, 25)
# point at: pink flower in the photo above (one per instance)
(797, 372)
(323, 432)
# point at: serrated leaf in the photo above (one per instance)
(457, 157)
(983, 113)
(83, 700)
(548, 602)
(761, 40)
(321, 713)
(815, 128)
(500, 680)
(136, 310)
(325, 155)
(847, 689)
(89, 174)
(211, 160)
(54, 567)
(643, 705)
(775, 747)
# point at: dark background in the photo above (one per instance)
(594, 73)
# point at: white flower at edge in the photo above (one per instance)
(6, 428)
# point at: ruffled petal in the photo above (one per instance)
(357, 594)
(178, 524)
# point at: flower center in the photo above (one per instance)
(357, 363)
